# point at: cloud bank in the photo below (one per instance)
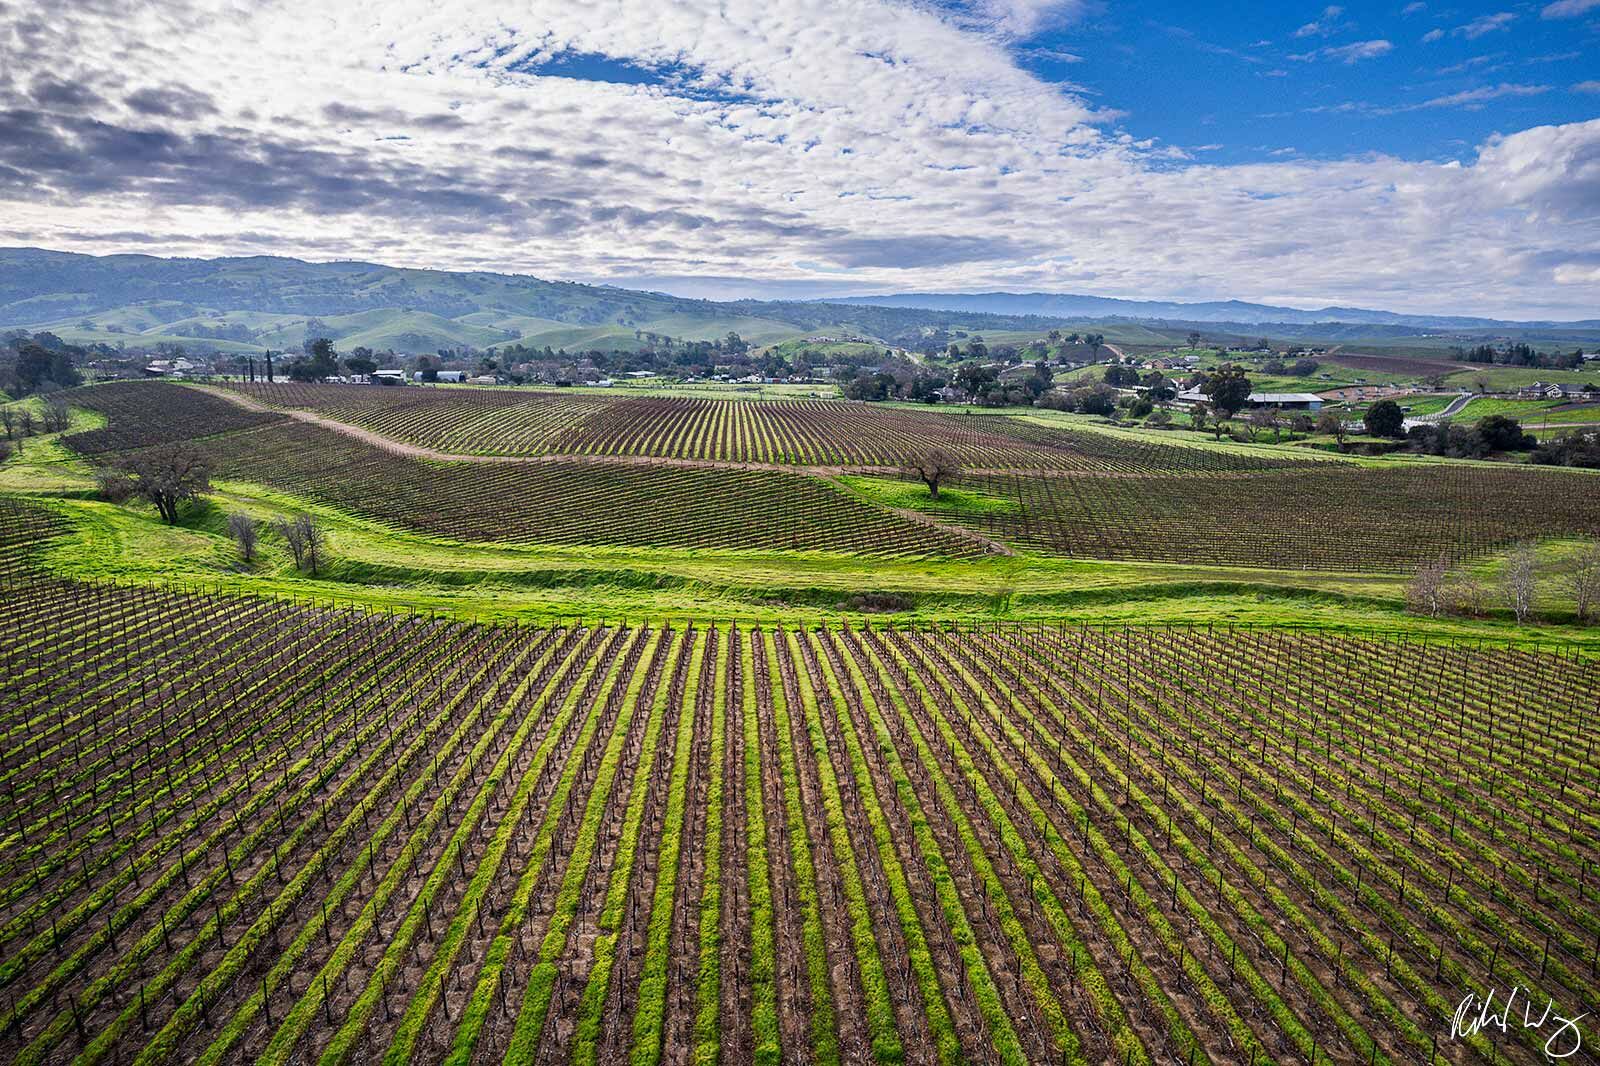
(818, 145)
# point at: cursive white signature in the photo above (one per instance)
(1474, 1014)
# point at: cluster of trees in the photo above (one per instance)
(1579, 448)
(18, 422)
(1519, 354)
(40, 362)
(171, 475)
(1437, 590)
(1089, 400)
(1300, 368)
(1492, 434)
(899, 379)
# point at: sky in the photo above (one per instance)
(1414, 155)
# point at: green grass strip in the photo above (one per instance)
(707, 1028)
(492, 973)
(591, 1009)
(348, 883)
(824, 1027)
(649, 1017)
(415, 1019)
(763, 928)
(945, 1040)
(881, 1030)
(536, 999)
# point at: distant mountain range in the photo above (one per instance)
(257, 302)
(1232, 312)
(261, 302)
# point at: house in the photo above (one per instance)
(387, 377)
(483, 379)
(641, 373)
(169, 368)
(1289, 401)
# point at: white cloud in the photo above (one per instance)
(1576, 274)
(1567, 9)
(843, 145)
(1477, 97)
(1354, 53)
(1587, 87)
(1024, 18)
(1432, 36)
(1414, 8)
(1485, 24)
(1322, 27)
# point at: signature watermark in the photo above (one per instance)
(1475, 1014)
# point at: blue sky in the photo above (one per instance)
(1262, 80)
(1414, 157)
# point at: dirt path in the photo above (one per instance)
(417, 451)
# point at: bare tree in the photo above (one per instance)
(305, 539)
(167, 476)
(1261, 418)
(1583, 577)
(316, 543)
(1518, 581)
(1426, 593)
(57, 415)
(293, 535)
(1332, 425)
(933, 467)
(245, 531)
(1466, 596)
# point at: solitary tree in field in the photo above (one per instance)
(1228, 389)
(1198, 416)
(305, 540)
(935, 466)
(1385, 419)
(1583, 577)
(1426, 593)
(1264, 418)
(1331, 425)
(245, 531)
(1518, 580)
(167, 476)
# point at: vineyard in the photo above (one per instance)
(1130, 499)
(1316, 518)
(248, 830)
(574, 502)
(804, 432)
(145, 414)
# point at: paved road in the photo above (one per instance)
(1451, 409)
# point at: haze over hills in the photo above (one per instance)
(1069, 305)
(261, 302)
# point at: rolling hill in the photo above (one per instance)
(266, 302)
